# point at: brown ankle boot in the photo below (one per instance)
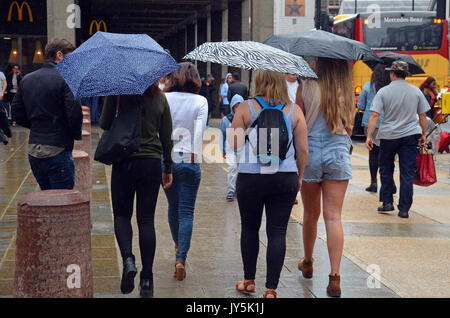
(334, 288)
(306, 268)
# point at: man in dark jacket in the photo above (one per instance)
(237, 87)
(207, 91)
(5, 130)
(45, 104)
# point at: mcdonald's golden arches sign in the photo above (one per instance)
(23, 5)
(98, 26)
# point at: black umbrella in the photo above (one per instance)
(389, 57)
(318, 43)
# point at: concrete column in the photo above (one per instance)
(208, 39)
(224, 37)
(53, 246)
(57, 16)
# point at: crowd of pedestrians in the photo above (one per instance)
(318, 119)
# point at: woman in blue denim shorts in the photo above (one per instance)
(328, 106)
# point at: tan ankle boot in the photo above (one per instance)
(334, 288)
(306, 268)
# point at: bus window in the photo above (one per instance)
(345, 29)
(405, 34)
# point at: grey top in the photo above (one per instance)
(44, 151)
(248, 163)
(401, 102)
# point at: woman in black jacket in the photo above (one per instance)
(13, 78)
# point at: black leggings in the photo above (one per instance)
(140, 176)
(373, 163)
(276, 193)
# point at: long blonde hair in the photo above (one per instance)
(271, 84)
(336, 87)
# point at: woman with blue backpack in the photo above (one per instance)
(271, 165)
(328, 105)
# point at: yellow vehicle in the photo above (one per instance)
(417, 33)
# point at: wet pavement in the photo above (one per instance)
(411, 255)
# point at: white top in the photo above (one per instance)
(2, 78)
(189, 115)
(401, 102)
(292, 90)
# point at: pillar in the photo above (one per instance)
(86, 125)
(53, 246)
(57, 17)
(85, 144)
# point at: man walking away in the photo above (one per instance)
(45, 104)
(399, 133)
(237, 87)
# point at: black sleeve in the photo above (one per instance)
(4, 124)
(73, 112)
(18, 111)
(229, 97)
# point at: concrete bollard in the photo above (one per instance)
(86, 125)
(53, 246)
(87, 115)
(83, 175)
(86, 109)
(85, 143)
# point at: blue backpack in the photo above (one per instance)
(270, 119)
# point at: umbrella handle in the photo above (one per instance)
(117, 106)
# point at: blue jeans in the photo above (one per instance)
(406, 148)
(54, 173)
(181, 197)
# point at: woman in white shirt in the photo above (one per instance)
(189, 115)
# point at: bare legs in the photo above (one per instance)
(333, 198)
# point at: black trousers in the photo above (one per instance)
(140, 176)
(373, 163)
(276, 193)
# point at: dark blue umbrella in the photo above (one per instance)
(115, 64)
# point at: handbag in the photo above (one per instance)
(425, 171)
(123, 138)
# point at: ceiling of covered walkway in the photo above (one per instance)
(157, 18)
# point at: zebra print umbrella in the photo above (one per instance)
(251, 56)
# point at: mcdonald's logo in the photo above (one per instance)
(20, 11)
(98, 26)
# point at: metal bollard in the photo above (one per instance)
(83, 175)
(53, 246)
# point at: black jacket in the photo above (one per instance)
(45, 104)
(5, 129)
(207, 92)
(237, 88)
(9, 78)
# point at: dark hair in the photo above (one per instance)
(427, 83)
(139, 100)
(185, 79)
(9, 68)
(380, 77)
(56, 45)
(400, 74)
(236, 77)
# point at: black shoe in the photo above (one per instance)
(403, 215)
(372, 188)
(129, 272)
(146, 288)
(386, 207)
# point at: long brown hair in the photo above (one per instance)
(185, 79)
(271, 84)
(337, 99)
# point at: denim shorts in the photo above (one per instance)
(328, 159)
